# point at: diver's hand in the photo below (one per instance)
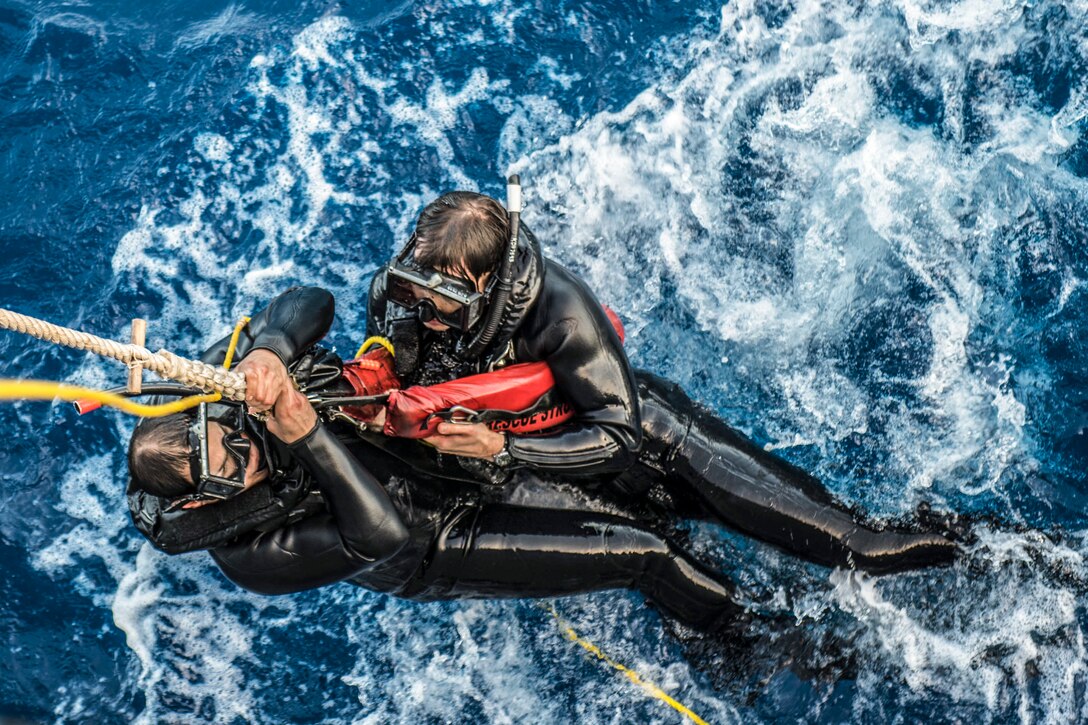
(473, 440)
(266, 379)
(292, 418)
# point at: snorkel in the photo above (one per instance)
(501, 296)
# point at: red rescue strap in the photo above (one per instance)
(520, 398)
(515, 398)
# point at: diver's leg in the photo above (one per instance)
(514, 551)
(760, 494)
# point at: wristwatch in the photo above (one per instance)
(503, 459)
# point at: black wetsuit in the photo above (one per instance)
(456, 546)
(631, 430)
(336, 508)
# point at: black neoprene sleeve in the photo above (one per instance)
(290, 324)
(569, 330)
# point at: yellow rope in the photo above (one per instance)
(375, 340)
(46, 390)
(652, 689)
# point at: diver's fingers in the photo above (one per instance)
(293, 401)
(292, 416)
(458, 429)
(271, 383)
(467, 439)
(266, 376)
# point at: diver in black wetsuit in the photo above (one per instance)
(302, 507)
(467, 295)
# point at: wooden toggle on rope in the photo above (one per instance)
(193, 373)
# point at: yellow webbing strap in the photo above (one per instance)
(47, 390)
(229, 358)
(375, 340)
(651, 689)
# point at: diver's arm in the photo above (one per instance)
(294, 321)
(369, 526)
(305, 555)
(592, 372)
(291, 323)
(362, 529)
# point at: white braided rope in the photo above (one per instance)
(194, 373)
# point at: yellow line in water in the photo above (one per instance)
(649, 687)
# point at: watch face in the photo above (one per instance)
(502, 458)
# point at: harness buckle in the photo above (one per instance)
(457, 414)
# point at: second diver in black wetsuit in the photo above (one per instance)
(471, 292)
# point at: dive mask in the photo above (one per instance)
(225, 483)
(416, 288)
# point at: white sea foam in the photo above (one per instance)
(232, 20)
(191, 643)
(288, 196)
(638, 196)
(857, 200)
(88, 496)
(180, 623)
(503, 662)
(1022, 634)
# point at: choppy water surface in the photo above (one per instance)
(857, 230)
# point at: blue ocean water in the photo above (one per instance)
(855, 229)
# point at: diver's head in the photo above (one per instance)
(196, 457)
(461, 233)
(158, 456)
(447, 270)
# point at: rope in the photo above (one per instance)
(47, 390)
(652, 689)
(233, 345)
(193, 373)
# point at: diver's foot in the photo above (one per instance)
(742, 656)
(947, 523)
(894, 552)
